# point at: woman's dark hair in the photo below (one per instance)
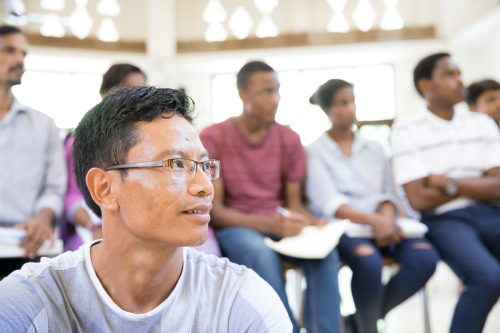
(115, 75)
(108, 131)
(326, 93)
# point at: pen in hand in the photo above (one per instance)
(283, 211)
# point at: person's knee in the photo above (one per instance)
(367, 260)
(488, 280)
(426, 258)
(364, 250)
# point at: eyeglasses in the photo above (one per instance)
(180, 168)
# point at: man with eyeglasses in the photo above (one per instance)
(264, 166)
(141, 167)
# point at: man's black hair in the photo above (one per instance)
(425, 68)
(476, 89)
(9, 30)
(108, 131)
(246, 72)
(115, 75)
(326, 93)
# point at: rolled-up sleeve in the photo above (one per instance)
(55, 178)
(322, 193)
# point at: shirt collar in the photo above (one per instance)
(442, 123)
(357, 145)
(15, 108)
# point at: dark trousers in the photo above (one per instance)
(417, 262)
(468, 240)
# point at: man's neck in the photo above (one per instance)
(5, 100)
(442, 110)
(138, 278)
(254, 130)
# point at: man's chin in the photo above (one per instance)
(14, 82)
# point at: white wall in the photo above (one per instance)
(194, 71)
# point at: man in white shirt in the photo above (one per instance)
(448, 162)
(33, 173)
(141, 167)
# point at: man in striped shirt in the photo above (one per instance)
(448, 162)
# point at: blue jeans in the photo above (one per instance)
(468, 240)
(322, 314)
(417, 261)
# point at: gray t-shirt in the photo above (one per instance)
(63, 294)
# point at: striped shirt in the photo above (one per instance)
(32, 168)
(254, 174)
(64, 294)
(425, 144)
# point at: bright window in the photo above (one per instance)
(63, 88)
(373, 86)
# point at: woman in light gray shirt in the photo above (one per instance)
(349, 178)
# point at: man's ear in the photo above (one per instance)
(99, 184)
(424, 85)
(243, 95)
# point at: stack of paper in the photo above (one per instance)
(10, 238)
(312, 243)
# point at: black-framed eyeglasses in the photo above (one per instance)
(180, 168)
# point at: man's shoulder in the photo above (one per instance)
(33, 113)
(253, 305)
(286, 131)
(412, 120)
(21, 307)
(215, 129)
(216, 267)
(65, 261)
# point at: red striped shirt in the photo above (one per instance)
(254, 174)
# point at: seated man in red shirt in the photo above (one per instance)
(264, 165)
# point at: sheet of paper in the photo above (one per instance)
(312, 243)
(14, 251)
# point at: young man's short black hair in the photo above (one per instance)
(108, 131)
(9, 30)
(326, 92)
(476, 89)
(115, 75)
(243, 76)
(425, 68)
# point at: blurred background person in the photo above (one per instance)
(484, 96)
(448, 161)
(32, 176)
(348, 177)
(79, 224)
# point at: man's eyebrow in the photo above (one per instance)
(175, 152)
(170, 152)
